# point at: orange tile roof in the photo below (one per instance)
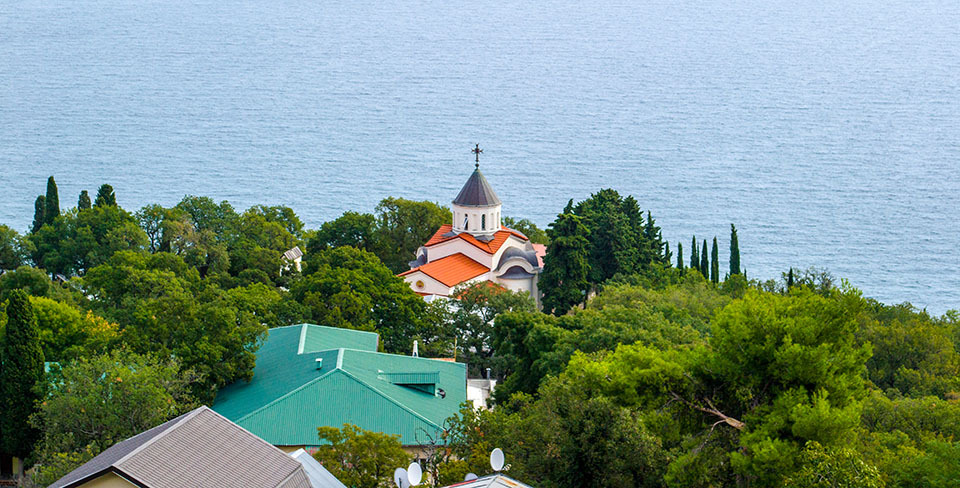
(489, 247)
(451, 270)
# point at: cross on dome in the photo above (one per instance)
(477, 152)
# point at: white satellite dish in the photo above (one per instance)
(496, 459)
(414, 474)
(400, 478)
(470, 477)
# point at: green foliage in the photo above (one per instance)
(715, 263)
(704, 261)
(360, 458)
(350, 229)
(20, 374)
(680, 256)
(835, 466)
(67, 333)
(937, 467)
(83, 201)
(403, 226)
(734, 251)
(621, 242)
(566, 267)
(164, 308)
(15, 250)
(912, 353)
(101, 400)
(52, 202)
(695, 255)
(474, 310)
(80, 240)
(351, 288)
(39, 208)
(527, 228)
(105, 197)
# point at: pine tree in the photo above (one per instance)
(715, 262)
(680, 256)
(39, 207)
(83, 202)
(705, 261)
(695, 255)
(565, 268)
(52, 210)
(734, 251)
(22, 369)
(105, 197)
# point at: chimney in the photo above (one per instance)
(488, 373)
(416, 351)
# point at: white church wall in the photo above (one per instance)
(454, 246)
(430, 285)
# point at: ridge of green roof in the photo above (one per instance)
(289, 390)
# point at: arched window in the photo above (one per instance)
(483, 222)
(466, 222)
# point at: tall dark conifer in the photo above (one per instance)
(83, 202)
(790, 279)
(52, 210)
(734, 251)
(705, 261)
(39, 208)
(715, 263)
(667, 254)
(680, 256)
(695, 254)
(565, 268)
(105, 197)
(22, 370)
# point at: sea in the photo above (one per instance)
(828, 131)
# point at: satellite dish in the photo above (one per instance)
(400, 478)
(496, 459)
(470, 477)
(414, 474)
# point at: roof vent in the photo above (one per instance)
(319, 362)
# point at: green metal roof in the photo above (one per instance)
(291, 394)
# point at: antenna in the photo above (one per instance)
(496, 459)
(414, 474)
(400, 478)
(470, 477)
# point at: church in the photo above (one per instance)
(475, 247)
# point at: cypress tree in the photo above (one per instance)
(666, 254)
(680, 256)
(705, 261)
(695, 255)
(790, 281)
(715, 263)
(83, 202)
(53, 202)
(39, 208)
(734, 251)
(105, 197)
(565, 268)
(22, 370)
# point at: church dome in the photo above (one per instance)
(476, 192)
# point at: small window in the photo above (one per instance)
(466, 222)
(483, 222)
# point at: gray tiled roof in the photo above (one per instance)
(476, 192)
(200, 448)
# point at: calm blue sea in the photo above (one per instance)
(827, 130)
